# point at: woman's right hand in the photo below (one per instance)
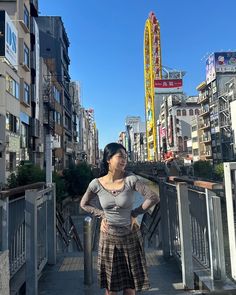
(134, 223)
(104, 226)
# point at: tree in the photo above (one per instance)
(77, 178)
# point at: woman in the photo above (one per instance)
(121, 258)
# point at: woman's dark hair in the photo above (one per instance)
(109, 151)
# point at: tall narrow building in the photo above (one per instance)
(54, 44)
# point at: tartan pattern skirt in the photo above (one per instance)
(122, 262)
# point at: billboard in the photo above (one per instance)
(220, 62)
(168, 85)
(210, 68)
(225, 62)
(8, 39)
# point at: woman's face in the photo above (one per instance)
(118, 161)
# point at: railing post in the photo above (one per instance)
(88, 258)
(215, 236)
(185, 235)
(165, 228)
(5, 224)
(31, 242)
(51, 226)
(230, 214)
(4, 273)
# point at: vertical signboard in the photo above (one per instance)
(8, 39)
(37, 53)
(210, 69)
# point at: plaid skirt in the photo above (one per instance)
(122, 262)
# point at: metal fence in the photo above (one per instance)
(16, 234)
(192, 230)
(28, 231)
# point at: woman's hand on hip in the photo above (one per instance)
(104, 226)
(134, 223)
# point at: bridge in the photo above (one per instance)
(189, 239)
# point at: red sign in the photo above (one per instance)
(170, 83)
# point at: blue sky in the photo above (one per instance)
(106, 49)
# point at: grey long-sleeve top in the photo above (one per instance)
(117, 206)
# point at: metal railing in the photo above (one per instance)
(16, 234)
(28, 231)
(150, 225)
(198, 213)
(230, 193)
(67, 231)
(192, 230)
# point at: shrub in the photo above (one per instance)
(203, 169)
(219, 171)
(26, 174)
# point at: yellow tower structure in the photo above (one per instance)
(152, 71)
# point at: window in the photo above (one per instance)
(12, 123)
(26, 93)
(57, 94)
(24, 136)
(57, 118)
(12, 161)
(12, 87)
(194, 127)
(26, 55)
(184, 113)
(190, 112)
(185, 143)
(26, 17)
(196, 111)
(195, 152)
(178, 113)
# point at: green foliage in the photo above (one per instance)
(203, 169)
(60, 186)
(26, 174)
(219, 171)
(77, 178)
(73, 182)
(12, 181)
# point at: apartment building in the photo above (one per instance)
(174, 125)
(216, 99)
(15, 80)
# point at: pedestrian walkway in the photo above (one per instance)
(67, 276)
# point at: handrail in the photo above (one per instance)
(68, 231)
(150, 222)
(20, 191)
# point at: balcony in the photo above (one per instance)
(204, 125)
(204, 110)
(49, 100)
(202, 98)
(205, 138)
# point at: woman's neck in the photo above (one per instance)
(112, 176)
